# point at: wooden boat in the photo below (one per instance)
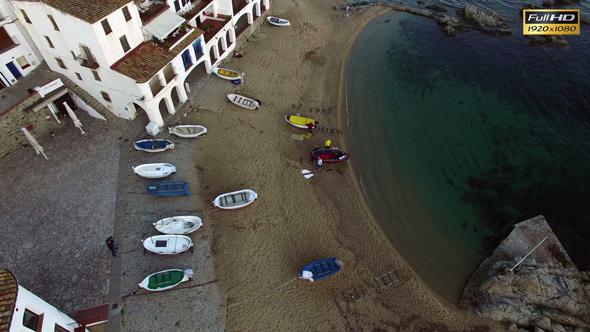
(154, 145)
(227, 74)
(280, 22)
(320, 269)
(299, 121)
(330, 155)
(154, 171)
(168, 244)
(166, 279)
(188, 131)
(178, 225)
(168, 188)
(235, 200)
(244, 102)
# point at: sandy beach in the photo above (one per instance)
(259, 250)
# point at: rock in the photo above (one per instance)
(547, 4)
(538, 330)
(564, 2)
(450, 31)
(585, 276)
(545, 290)
(557, 328)
(437, 8)
(420, 2)
(512, 327)
(542, 323)
(585, 20)
(496, 16)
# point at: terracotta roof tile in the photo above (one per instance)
(89, 11)
(147, 59)
(8, 292)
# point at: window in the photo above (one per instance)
(126, 14)
(198, 48)
(30, 320)
(59, 329)
(124, 43)
(96, 77)
(105, 96)
(60, 63)
(106, 26)
(22, 62)
(27, 19)
(186, 59)
(49, 42)
(79, 76)
(53, 22)
(74, 55)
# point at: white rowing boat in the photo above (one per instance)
(244, 102)
(154, 171)
(188, 131)
(235, 200)
(168, 244)
(178, 225)
(280, 22)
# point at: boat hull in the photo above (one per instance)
(154, 145)
(299, 121)
(227, 74)
(244, 102)
(188, 131)
(154, 171)
(168, 188)
(330, 155)
(164, 280)
(321, 269)
(168, 244)
(280, 22)
(235, 200)
(178, 225)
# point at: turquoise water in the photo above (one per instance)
(457, 139)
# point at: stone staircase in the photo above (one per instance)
(280, 7)
(87, 98)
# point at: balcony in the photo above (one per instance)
(193, 12)
(211, 27)
(173, 38)
(152, 12)
(88, 63)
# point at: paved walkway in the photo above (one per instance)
(57, 213)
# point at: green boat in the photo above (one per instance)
(166, 279)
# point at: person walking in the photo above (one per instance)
(320, 162)
(328, 144)
(111, 244)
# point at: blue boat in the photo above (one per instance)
(321, 269)
(168, 188)
(154, 145)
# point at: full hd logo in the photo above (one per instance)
(551, 22)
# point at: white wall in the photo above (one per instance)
(106, 49)
(25, 48)
(51, 316)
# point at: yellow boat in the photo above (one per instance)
(299, 121)
(227, 74)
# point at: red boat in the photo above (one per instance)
(330, 155)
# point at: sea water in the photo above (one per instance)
(456, 139)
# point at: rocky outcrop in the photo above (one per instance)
(545, 292)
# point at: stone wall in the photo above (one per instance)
(13, 119)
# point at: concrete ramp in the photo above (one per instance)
(213, 94)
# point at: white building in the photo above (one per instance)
(21, 310)
(136, 57)
(18, 54)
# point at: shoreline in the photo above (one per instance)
(343, 121)
(261, 248)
